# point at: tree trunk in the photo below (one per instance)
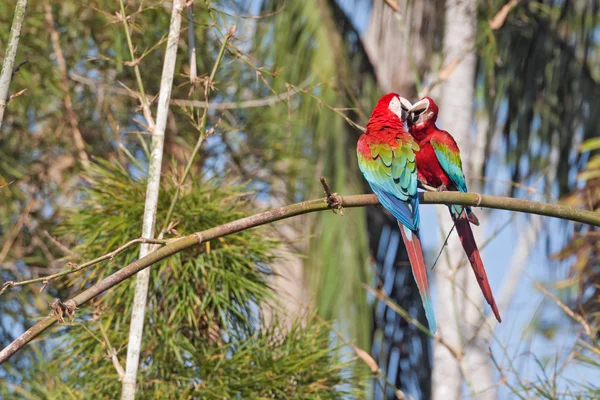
(289, 278)
(459, 298)
(400, 45)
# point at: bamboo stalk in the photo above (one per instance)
(10, 55)
(136, 327)
(466, 199)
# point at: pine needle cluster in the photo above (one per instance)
(205, 333)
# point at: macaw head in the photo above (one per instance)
(391, 108)
(423, 113)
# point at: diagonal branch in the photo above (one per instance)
(465, 199)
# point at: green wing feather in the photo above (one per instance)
(391, 171)
(451, 163)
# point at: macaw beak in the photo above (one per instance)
(417, 109)
(406, 106)
(419, 106)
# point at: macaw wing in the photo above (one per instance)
(450, 161)
(391, 171)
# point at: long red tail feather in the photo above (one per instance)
(468, 242)
(417, 263)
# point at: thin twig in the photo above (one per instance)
(444, 245)
(192, 48)
(336, 110)
(226, 105)
(576, 317)
(17, 68)
(201, 131)
(75, 268)
(404, 314)
(56, 243)
(364, 356)
(277, 214)
(136, 68)
(112, 352)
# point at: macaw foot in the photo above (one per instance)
(441, 188)
(423, 185)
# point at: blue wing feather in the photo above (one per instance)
(407, 212)
(451, 164)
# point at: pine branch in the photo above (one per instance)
(457, 198)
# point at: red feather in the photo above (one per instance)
(463, 228)
(417, 263)
(428, 167)
(431, 172)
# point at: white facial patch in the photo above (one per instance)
(396, 107)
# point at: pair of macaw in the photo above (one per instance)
(393, 161)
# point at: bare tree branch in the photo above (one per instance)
(362, 200)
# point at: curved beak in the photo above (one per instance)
(405, 103)
(420, 105)
(406, 106)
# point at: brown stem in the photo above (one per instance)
(64, 81)
(466, 199)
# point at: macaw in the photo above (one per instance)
(439, 165)
(386, 157)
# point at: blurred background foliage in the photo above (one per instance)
(294, 76)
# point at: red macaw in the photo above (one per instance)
(439, 165)
(386, 157)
